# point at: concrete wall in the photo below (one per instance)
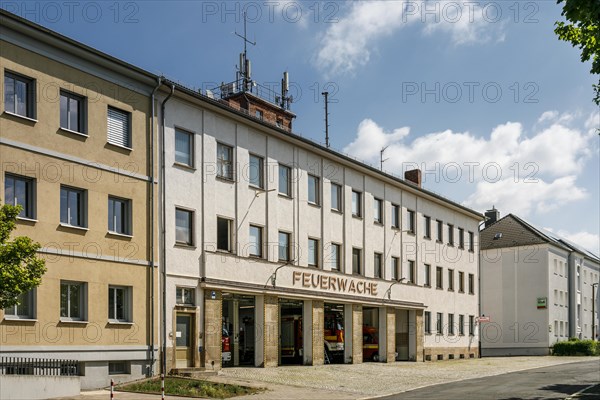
(23, 387)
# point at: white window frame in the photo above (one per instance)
(378, 210)
(81, 204)
(395, 216)
(335, 188)
(13, 311)
(313, 245)
(180, 293)
(410, 221)
(260, 251)
(287, 187)
(119, 128)
(357, 204)
(336, 257)
(259, 161)
(224, 165)
(127, 306)
(82, 300)
(316, 181)
(29, 210)
(284, 246)
(190, 150)
(378, 265)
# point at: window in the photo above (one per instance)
(439, 284)
(72, 206)
(285, 180)
(313, 189)
(440, 231)
(256, 171)
(461, 281)
(184, 227)
(20, 191)
(224, 234)
(119, 215)
(119, 303)
(410, 221)
(378, 211)
(461, 238)
(451, 279)
(119, 130)
(439, 323)
(356, 261)
(184, 145)
(72, 300)
(461, 324)
(335, 259)
(427, 275)
(451, 234)
(395, 216)
(336, 197)
(224, 161)
(19, 95)
(427, 322)
(396, 268)
(412, 273)
(313, 252)
(26, 307)
(284, 246)
(377, 260)
(118, 367)
(427, 221)
(72, 112)
(256, 241)
(356, 203)
(471, 325)
(184, 296)
(471, 241)
(450, 324)
(259, 114)
(471, 284)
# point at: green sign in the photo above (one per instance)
(541, 302)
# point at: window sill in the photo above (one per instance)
(439, 241)
(225, 179)
(69, 226)
(73, 321)
(395, 228)
(471, 251)
(125, 323)
(120, 146)
(184, 166)
(439, 288)
(21, 116)
(13, 318)
(223, 251)
(411, 233)
(450, 245)
(257, 189)
(461, 247)
(74, 132)
(310, 203)
(285, 196)
(119, 235)
(184, 246)
(427, 237)
(427, 286)
(335, 210)
(378, 223)
(357, 216)
(25, 219)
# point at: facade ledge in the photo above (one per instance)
(314, 204)
(21, 116)
(333, 210)
(84, 135)
(25, 219)
(224, 179)
(10, 318)
(122, 323)
(118, 146)
(185, 246)
(186, 167)
(72, 321)
(69, 226)
(119, 235)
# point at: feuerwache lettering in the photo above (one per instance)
(334, 283)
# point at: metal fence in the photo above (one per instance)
(38, 366)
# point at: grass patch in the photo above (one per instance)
(189, 388)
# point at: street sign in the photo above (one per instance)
(484, 318)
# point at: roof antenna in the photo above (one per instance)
(244, 72)
(326, 95)
(381, 159)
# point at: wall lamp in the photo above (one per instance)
(389, 291)
(273, 277)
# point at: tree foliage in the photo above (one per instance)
(582, 29)
(20, 267)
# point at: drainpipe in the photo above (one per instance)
(163, 238)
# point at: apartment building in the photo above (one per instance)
(536, 288)
(75, 150)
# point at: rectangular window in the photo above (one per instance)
(119, 303)
(224, 234)
(313, 189)
(313, 252)
(284, 246)
(378, 211)
(427, 222)
(20, 191)
(285, 180)
(118, 368)
(471, 241)
(256, 241)
(184, 227)
(335, 257)
(72, 112)
(427, 322)
(184, 296)
(395, 216)
(119, 215)
(439, 283)
(26, 307)
(184, 148)
(356, 203)
(72, 206)
(412, 273)
(461, 324)
(471, 284)
(410, 221)
(259, 114)
(356, 261)
(427, 275)
(440, 231)
(119, 129)
(451, 279)
(461, 281)
(336, 197)
(439, 323)
(19, 95)
(377, 264)
(396, 268)
(256, 171)
(461, 238)
(72, 300)
(450, 324)
(471, 325)
(451, 234)
(224, 161)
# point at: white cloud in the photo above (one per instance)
(587, 240)
(548, 116)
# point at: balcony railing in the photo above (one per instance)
(38, 366)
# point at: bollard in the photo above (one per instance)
(162, 386)
(112, 389)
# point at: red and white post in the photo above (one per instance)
(112, 389)
(162, 386)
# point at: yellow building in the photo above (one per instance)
(76, 151)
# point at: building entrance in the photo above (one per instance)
(183, 341)
(291, 346)
(371, 334)
(238, 341)
(333, 333)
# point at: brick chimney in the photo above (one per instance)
(413, 176)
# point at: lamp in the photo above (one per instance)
(273, 277)
(389, 291)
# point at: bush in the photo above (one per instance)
(576, 347)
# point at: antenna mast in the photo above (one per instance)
(245, 69)
(381, 159)
(326, 95)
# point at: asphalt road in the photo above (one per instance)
(556, 382)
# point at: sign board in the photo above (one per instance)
(484, 318)
(541, 302)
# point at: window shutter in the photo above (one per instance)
(118, 127)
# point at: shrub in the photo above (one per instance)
(576, 347)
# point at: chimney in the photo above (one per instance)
(491, 216)
(413, 176)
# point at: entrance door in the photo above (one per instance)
(370, 334)
(402, 335)
(183, 341)
(291, 347)
(238, 330)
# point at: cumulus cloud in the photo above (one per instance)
(587, 240)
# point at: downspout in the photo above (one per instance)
(152, 249)
(163, 238)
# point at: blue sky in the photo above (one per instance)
(482, 95)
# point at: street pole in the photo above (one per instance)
(594, 310)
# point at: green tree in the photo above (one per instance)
(20, 267)
(582, 29)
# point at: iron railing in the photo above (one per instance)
(38, 366)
